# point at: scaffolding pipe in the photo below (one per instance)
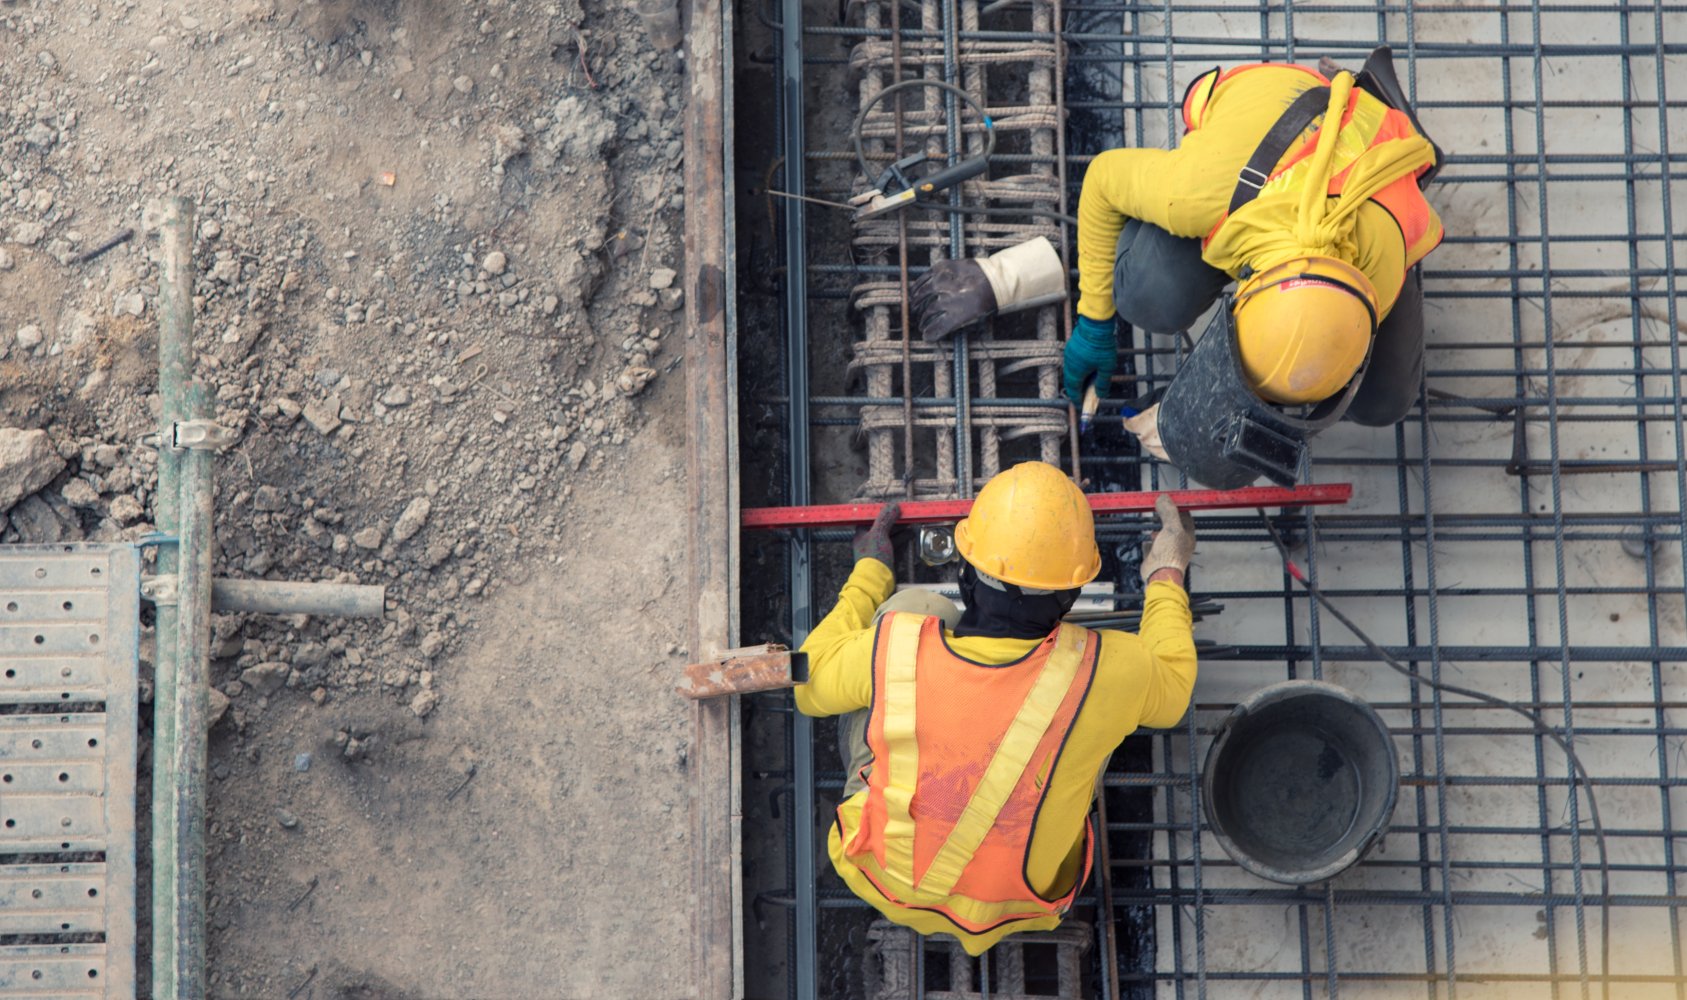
(185, 764)
(284, 597)
(175, 365)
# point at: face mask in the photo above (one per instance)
(1000, 610)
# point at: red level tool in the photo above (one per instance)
(846, 515)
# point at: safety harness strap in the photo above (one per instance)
(1290, 124)
(902, 655)
(1008, 765)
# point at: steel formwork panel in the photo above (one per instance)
(1520, 532)
(69, 657)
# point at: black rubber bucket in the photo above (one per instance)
(1301, 781)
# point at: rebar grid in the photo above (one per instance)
(949, 451)
(1488, 847)
(1522, 531)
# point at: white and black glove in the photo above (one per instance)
(955, 293)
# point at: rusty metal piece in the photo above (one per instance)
(766, 667)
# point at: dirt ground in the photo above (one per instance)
(436, 245)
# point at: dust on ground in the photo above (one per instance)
(437, 245)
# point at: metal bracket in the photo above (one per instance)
(937, 544)
(206, 435)
(160, 589)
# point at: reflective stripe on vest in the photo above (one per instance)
(913, 791)
(1366, 124)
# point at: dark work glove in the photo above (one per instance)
(949, 296)
(1091, 353)
(874, 542)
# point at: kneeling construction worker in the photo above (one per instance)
(974, 739)
(1322, 227)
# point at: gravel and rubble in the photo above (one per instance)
(437, 249)
(458, 356)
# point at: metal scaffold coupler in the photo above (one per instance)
(207, 435)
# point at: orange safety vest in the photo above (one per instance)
(1367, 122)
(962, 755)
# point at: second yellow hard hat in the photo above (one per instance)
(1032, 527)
(1303, 328)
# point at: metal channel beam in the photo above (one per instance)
(804, 940)
(69, 636)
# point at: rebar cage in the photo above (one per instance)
(1520, 532)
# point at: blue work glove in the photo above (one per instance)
(1091, 353)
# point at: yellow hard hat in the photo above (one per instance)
(1031, 526)
(1303, 328)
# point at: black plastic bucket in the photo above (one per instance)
(1301, 781)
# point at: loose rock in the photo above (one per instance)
(79, 492)
(494, 263)
(662, 277)
(28, 462)
(266, 678)
(29, 336)
(432, 644)
(36, 521)
(126, 510)
(633, 379)
(415, 515)
(423, 703)
(219, 708)
(324, 415)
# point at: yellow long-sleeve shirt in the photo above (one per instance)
(1140, 680)
(1186, 190)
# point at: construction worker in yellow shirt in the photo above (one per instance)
(974, 738)
(1323, 228)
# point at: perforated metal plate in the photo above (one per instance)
(69, 654)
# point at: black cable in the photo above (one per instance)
(1534, 718)
(861, 118)
(989, 149)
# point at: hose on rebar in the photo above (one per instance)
(1534, 718)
